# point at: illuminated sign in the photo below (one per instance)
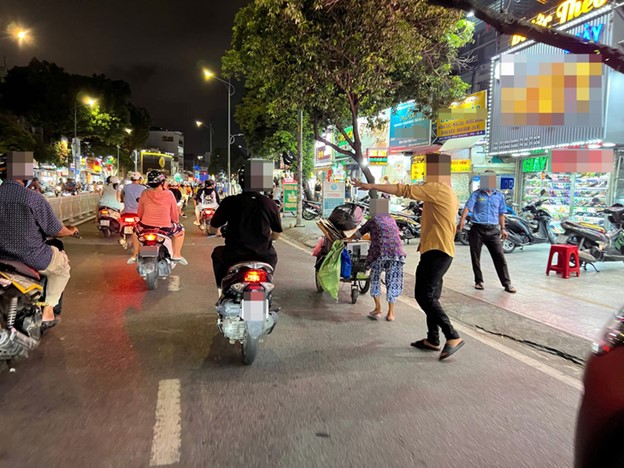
(564, 12)
(377, 157)
(539, 164)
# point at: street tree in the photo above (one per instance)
(345, 60)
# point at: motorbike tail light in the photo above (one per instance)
(255, 276)
(150, 237)
(104, 212)
(208, 211)
(130, 220)
(612, 336)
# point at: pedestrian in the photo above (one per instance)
(348, 190)
(437, 247)
(488, 208)
(385, 254)
(317, 190)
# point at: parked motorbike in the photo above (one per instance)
(409, 227)
(463, 236)
(594, 243)
(311, 210)
(155, 257)
(534, 228)
(22, 295)
(108, 220)
(126, 227)
(244, 308)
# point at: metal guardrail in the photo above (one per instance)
(76, 207)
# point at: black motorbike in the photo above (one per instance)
(594, 243)
(311, 210)
(533, 227)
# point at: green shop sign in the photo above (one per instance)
(290, 198)
(539, 164)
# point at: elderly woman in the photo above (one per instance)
(386, 254)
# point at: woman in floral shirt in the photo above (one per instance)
(385, 254)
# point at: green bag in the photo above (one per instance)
(329, 273)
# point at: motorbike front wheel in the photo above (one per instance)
(308, 215)
(463, 237)
(508, 246)
(250, 349)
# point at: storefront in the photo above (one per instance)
(558, 116)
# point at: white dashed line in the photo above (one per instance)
(174, 283)
(168, 428)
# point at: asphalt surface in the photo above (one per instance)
(138, 378)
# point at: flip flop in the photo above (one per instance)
(420, 344)
(449, 350)
(479, 286)
(46, 325)
(374, 316)
(388, 319)
(510, 289)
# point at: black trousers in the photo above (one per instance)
(223, 258)
(430, 272)
(488, 235)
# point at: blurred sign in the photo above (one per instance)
(377, 157)
(418, 168)
(461, 165)
(408, 128)
(333, 196)
(539, 164)
(464, 118)
(290, 197)
(322, 156)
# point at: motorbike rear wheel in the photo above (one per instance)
(250, 349)
(152, 279)
(508, 246)
(106, 232)
(308, 215)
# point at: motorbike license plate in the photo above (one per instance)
(255, 306)
(104, 222)
(128, 230)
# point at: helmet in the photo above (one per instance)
(209, 183)
(135, 176)
(155, 178)
(114, 180)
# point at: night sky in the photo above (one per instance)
(157, 46)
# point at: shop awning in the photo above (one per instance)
(461, 143)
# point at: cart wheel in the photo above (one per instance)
(319, 288)
(363, 286)
(354, 295)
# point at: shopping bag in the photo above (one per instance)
(345, 264)
(329, 273)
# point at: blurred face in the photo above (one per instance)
(20, 165)
(259, 175)
(379, 206)
(487, 181)
(438, 168)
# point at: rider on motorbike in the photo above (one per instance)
(110, 195)
(252, 218)
(26, 220)
(206, 197)
(130, 193)
(159, 210)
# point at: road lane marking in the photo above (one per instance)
(168, 428)
(534, 363)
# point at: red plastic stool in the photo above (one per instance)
(566, 254)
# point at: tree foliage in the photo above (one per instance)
(345, 59)
(48, 98)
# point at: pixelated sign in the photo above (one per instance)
(333, 196)
(582, 160)
(377, 157)
(551, 90)
(463, 118)
(408, 128)
(461, 165)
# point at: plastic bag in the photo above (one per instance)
(329, 273)
(345, 264)
(319, 246)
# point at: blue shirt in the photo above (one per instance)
(26, 219)
(131, 193)
(485, 208)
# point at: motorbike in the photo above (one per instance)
(155, 257)
(108, 220)
(463, 235)
(534, 228)
(311, 210)
(205, 215)
(126, 227)
(594, 243)
(22, 296)
(244, 309)
(409, 227)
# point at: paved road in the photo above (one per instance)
(137, 378)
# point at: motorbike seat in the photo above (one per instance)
(254, 265)
(19, 268)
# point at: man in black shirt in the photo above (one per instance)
(253, 221)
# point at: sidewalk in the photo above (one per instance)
(549, 311)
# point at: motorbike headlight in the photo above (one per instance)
(612, 336)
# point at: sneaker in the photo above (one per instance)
(132, 260)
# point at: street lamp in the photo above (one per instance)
(90, 102)
(19, 34)
(200, 124)
(231, 90)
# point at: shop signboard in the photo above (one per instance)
(582, 160)
(377, 157)
(290, 197)
(418, 168)
(408, 128)
(464, 118)
(322, 157)
(333, 196)
(156, 161)
(539, 164)
(461, 165)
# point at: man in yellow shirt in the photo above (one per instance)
(437, 247)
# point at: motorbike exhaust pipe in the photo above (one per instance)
(15, 344)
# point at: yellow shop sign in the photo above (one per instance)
(460, 165)
(564, 12)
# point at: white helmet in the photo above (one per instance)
(114, 180)
(135, 176)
